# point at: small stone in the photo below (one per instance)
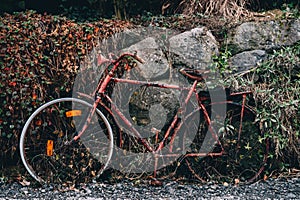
(225, 184)
(291, 196)
(25, 192)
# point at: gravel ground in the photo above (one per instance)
(270, 189)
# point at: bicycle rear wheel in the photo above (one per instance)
(45, 147)
(245, 150)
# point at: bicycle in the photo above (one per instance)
(70, 139)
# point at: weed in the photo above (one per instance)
(276, 89)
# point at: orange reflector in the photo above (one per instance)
(50, 148)
(38, 122)
(73, 113)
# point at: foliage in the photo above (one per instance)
(262, 5)
(278, 91)
(124, 9)
(94, 9)
(291, 10)
(39, 58)
(221, 62)
(12, 5)
(276, 88)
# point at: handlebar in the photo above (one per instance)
(101, 59)
(134, 56)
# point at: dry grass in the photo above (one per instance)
(227, 9)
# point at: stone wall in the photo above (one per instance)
(252, 41)
(248, 43)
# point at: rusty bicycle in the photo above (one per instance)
(73, 139)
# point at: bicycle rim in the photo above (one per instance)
(45, 149)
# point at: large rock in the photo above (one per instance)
(264, 35)
(247, 60)
(195, 47)
(156, 63)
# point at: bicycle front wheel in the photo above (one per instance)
(47, 151)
